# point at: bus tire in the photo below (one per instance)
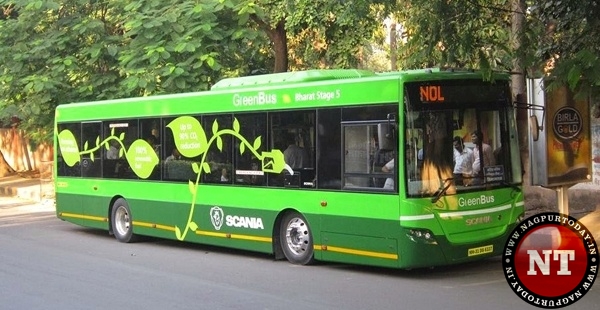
(121, 222)
(296, 239)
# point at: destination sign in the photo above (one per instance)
(466, 92)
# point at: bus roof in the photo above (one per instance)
(287, 90)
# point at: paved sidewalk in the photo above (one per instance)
(21, 194)
(27, 187)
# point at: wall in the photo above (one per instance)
(19, 154)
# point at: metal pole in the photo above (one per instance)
(562, 196)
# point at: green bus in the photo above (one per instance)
(300, 165)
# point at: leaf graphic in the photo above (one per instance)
(193, 226)
(68, 147)
(107, 145)
(97, 140)
(190, 138)
(92, 156)
(206, 167)
(112, 131)
(236, 125)
(257, 143)
(192, 187)
(122, 136)
(142, 158)
(178, 233)
(215, 127)
(242, 148)
(196, 168)
(85, 146)
(220, 143)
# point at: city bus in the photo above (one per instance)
(300, 165)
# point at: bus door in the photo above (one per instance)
(91, 167)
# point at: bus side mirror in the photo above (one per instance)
(385, 135)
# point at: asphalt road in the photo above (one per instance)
(49, 264)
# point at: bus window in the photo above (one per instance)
(219, 160)
(253, 130)
(328, 155)
(294, 134)
(150, 131)
(62, 169)
(91, 162)
(175, 168)
(367, 166)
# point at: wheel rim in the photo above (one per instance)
(122, 222)
(297, 236)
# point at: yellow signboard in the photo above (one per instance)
(568, 138)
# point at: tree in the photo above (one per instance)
(459, 34)
(53, 53)
(181, 46)
(318, 33)
(569, 50)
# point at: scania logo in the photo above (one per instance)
(216, 217)
(478, 220)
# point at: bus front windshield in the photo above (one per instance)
(460, 146)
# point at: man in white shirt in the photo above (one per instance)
(388, 168)
(486, 150)
(295, 156)
(113, 150)
(463, 161)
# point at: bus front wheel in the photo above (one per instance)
(296, 239)
(121, 221)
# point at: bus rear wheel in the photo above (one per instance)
(296, 239)
(121, 222)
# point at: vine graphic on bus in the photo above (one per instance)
(190, 141)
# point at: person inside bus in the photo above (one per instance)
(174, 156)
(480, 149)
(151, 139)
(224, 175)
(113, 150)
(388, 168)
(294, 155)
(463, 162)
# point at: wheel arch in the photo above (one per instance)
(111, 204)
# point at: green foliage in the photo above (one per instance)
(55, 52)
(322, 33)
(179, 46)
(459, 34)
(571, 42)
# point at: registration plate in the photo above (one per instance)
(481, 250)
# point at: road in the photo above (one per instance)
(49, 264)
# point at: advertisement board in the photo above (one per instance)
(560, 137)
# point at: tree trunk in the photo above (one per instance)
(278, 37)
(519, 86)
(5, 168)
(393, 47)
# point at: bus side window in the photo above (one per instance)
(248, 168)
(293, 133)
(62, 169)
(219, 160)
(91, 164)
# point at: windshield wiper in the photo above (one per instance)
(442, 191)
